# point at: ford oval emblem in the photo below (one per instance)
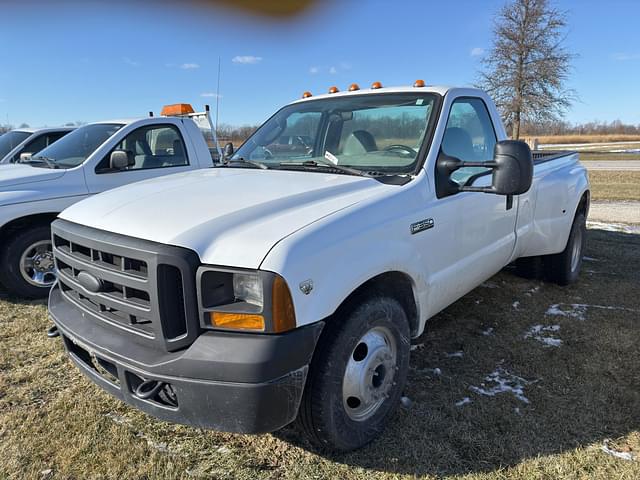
(89, 282)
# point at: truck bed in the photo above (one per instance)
(541, 156)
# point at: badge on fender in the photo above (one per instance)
(421, 226)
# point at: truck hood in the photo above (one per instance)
(228, 216)
(19, 174)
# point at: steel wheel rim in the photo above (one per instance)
(37, 266)
(370, 374)
(576, 251)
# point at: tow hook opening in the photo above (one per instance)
(155, 391)
(53, 332)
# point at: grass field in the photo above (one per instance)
(567, 360)
(608, 185)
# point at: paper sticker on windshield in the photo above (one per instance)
(420, 101)
(331, 157)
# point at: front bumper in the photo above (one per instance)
(233, 382)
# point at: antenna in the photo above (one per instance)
(218, 97)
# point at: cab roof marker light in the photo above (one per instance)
(353, 87)
(376, 85)
(419, 83)
(176, 109)
(333, 89)
(307, 95)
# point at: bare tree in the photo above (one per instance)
(527, 67)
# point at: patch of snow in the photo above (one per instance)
(623, 455)
(505, 383)
(406, 402)
(437, 371)
(517, 410)
(223, 449)
(462, 402)
(516, 304)
(579, 310)
(458, 354)
(537, 332)
(417, 346)
(117, 418)
(479, 301)
(47, 472)
(487, 332)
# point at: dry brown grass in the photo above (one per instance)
(53, 420)
(562, 139)
(612, 185)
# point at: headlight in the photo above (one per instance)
(244, 300)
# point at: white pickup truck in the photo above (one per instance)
(89, 160)
(288, 284)
(24, 142)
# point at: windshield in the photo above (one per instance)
(11, 140)
(368, 133)
(74, 148)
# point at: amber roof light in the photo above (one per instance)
(419, 83)
(333, 90)
(375, 85)
(307, 95)
(176, 109)
(353, 87)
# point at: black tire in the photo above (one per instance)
(10, 255)
(564, 267)
(323, 414)
(530, 267)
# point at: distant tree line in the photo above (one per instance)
(561, 127)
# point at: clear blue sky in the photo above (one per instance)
(88, 61)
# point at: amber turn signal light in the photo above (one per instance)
(237, 321)
(284, 315)
(307, 95)
(333, 90)
(376, 85)
(419, 83)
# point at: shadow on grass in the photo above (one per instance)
(579, 393)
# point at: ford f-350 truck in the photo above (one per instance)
(89, 160)
(283, 286)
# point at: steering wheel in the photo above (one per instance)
(404, 148)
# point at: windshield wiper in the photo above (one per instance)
(40, 159)
(326, 164)
(247, 162)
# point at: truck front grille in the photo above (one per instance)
(137, 287)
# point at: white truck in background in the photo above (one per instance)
(288, 282)
(91, 159)
(24, 142)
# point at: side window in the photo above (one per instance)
(469, 136)
(34, 146)
(155, 146)
(54, 137)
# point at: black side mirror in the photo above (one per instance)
(512, 167)
(513, 170)
(121, 159)
(228, 150)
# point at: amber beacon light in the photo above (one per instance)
(353, 87)
(176, 109)
(376, 85)
(307, 95)
(333, 90)
(419, 83)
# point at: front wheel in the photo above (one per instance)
(26, 263)
(356, 378)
